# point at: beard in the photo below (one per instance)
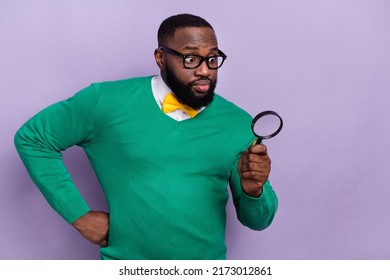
(185, 94)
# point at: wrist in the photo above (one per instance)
(254, 193)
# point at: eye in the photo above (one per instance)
(212, 60)
(190, 59)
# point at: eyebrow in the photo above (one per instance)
(189, 48)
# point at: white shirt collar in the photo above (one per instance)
(160, 90)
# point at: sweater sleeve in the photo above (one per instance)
(254, 213)
(41, 140)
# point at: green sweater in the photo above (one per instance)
(165, 181)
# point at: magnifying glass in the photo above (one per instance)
(266, 125)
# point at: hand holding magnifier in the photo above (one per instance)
(266, 125)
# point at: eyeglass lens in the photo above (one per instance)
(192, 61)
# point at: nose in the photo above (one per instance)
(203, 70)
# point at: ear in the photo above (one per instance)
(159, 57)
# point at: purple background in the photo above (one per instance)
(323, 65)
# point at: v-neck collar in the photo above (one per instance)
(156, 108)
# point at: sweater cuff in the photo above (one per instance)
(73, 209)
(250, 200)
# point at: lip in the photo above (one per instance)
(201, 86)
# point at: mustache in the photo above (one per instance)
(201, 81)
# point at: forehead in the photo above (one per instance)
(194, 37)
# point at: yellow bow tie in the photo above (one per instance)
(171, 104)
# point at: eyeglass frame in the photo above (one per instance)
(202, 58)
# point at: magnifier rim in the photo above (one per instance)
(262, 114)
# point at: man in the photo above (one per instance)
(164, 170)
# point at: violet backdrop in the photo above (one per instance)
(323, 65)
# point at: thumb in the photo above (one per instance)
(256, 142)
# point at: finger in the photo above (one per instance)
(255, 166)
(257, 154)
(256, 158)
(258, 149)
(255, 175)
(259, 177)
(244, 157)
(255, 162)
(103, 243)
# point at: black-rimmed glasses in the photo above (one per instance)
(192, 61)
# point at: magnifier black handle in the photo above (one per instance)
(258, 141)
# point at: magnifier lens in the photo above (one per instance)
(267, 125)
